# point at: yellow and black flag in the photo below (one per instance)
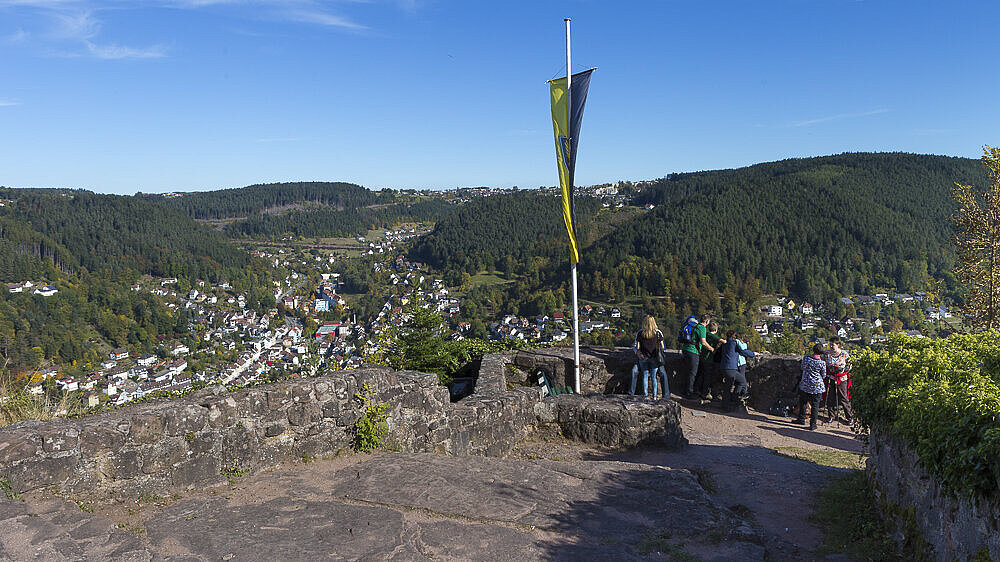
(566, 126)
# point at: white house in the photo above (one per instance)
(775, 310)
(179, 349)
(46, 291)
(807, 308)
(68, 384)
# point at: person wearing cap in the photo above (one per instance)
(811, 385)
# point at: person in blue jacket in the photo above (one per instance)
(734, 355)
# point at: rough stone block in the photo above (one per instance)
(184, 419)
(41, 472)
(97, 439)
(19, 445)
(61, 439)
(196, 470)
(274, 430)
(145, 428)
(162, 456)
(304, 414)
(123, 464)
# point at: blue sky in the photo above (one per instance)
(120, 96)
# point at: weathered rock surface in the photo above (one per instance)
(58, 530)
(416, 506)
(957, 528)
(616, 421)
(189, 441)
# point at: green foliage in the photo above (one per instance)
(941, 397)
(372, 427)
(421, 344)
(8, 489)
(233, 470)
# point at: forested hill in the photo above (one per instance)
(498, 231)
(815, 228)
(304, 209)
(113, 233)
(92, 249)
(250, 200)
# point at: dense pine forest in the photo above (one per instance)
(253, 199)
(814, 228)
(92, 249)
(307, 209)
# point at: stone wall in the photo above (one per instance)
(958, 529)
(192, 440)
(196, 439)
(609, 371)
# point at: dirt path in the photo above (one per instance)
(745, 461)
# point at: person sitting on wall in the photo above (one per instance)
(811, 385)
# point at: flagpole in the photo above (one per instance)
(572, 266)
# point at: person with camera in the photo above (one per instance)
(838, 372)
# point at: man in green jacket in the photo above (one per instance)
(692, 352)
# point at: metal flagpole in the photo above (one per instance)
(572, 267)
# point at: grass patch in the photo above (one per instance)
(848, 513)
(8, 489)
(825, 457)
(149, 498)
(234, 470)
(486, 279)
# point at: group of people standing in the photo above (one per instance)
(821, 367)
(714, 363)
(717, 364)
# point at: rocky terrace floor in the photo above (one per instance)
(727, 496)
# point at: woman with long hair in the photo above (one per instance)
(647, 346)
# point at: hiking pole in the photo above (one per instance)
(836, 400)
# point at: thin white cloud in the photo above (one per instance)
(74, 25)
(838, 117)
(320, 17)
(118, 52)
(69, 22)
(279, 139)
(9, 103)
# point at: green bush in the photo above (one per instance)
(942, 397)
(372, 427)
